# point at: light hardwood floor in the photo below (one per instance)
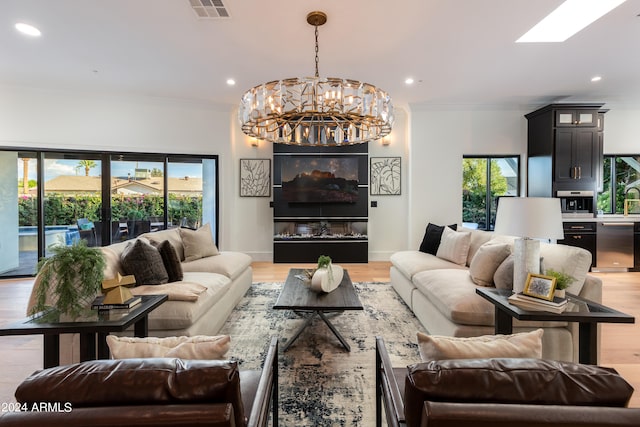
(620, 343)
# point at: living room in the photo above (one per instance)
(466, 100)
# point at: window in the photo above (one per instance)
(60, 197)
(621, 180)
(484, 180)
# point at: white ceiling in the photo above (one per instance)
(458, 51)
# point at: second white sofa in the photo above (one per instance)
(441, 293)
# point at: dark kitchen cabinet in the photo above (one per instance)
(564, 147)
(583, 117)
(582, 235)
(576, 155)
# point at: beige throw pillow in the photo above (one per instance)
(486, 261)
(503, 277)
(198, 243)
(454, 246)
(520, 345)
(198, 347)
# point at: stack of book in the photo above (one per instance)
(98, 303)
(526, 302)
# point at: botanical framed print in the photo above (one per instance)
(255, 177)
(385, 175)
(540, 286)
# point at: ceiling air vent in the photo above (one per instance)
(209, 8)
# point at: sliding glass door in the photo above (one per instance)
(191, 192)
(137, 195)
(18, 213)
(72, 198)
(49, 198)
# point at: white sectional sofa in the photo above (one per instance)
(442, 293)
(199, 304)
(227, 276)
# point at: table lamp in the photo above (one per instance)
(529, 218)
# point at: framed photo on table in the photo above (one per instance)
(255, 177)
(540, 286)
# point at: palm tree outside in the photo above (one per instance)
(87, 165)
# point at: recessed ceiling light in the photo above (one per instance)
(408, 81)
(231, 82)
(27, 29)
(596, 78)
(569, 18)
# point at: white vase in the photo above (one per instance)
(322, 281)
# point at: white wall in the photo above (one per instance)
(431, 142)
(387, 221)
(62, 120)
(439, 139)
(620, 133)
(253, 227)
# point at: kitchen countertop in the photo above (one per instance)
(603, 218)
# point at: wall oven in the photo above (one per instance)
(576, 204)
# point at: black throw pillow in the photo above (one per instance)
(144, 261)
(432, 236)
(170, 260)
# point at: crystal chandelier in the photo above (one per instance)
(315, 111)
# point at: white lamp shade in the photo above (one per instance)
(532, 217)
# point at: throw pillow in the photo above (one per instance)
(486, 261)
(454, 246)
(170, 260)
(503, 277)
(198, 347)
(145, 262)
(198, 243)
(520, 345)
(432, 236)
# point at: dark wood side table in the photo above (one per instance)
(297, 296)
(586, 312)
(93, 327)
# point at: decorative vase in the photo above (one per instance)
(559, 293)
(327, 279)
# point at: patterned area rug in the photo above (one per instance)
(321, 384)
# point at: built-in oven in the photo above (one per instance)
(576, 203)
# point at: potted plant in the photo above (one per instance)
(563, 280)
(327, 276)
(69, 279)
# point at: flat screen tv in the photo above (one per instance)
(320, 179)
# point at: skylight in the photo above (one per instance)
(569, 18)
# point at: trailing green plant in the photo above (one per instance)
(69, 278)
(562, 279)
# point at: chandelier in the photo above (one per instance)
(315, 111)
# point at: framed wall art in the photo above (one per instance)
(255, 177)
(385, 176)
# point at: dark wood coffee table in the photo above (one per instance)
(297, 296)
(585, 312)
(90, 325)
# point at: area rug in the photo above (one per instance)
(321, 384)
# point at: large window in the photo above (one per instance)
(56, 197)
(621, 180)
(484, 180)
